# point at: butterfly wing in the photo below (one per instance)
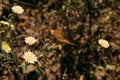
(60, 37)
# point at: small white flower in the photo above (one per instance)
(30, 40)
(17, 9)
(29, 57)
(6, 47)
(103, 43)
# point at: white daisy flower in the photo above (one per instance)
(30, 57)
(17, 9)
(30, 40)
(103, 43)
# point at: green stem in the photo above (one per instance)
(25, 3)
(14, 58)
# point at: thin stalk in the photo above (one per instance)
(90, 14)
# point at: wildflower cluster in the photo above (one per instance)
(8, 29)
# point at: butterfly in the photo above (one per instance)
(60, 36)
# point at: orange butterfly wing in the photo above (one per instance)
(60, 37)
